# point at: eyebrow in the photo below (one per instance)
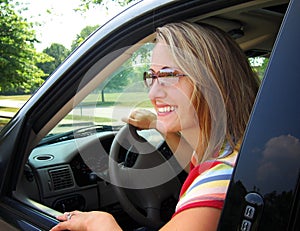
(164, 67)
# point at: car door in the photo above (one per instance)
(264, 192)
(56, 97)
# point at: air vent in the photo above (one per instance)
(61, 178)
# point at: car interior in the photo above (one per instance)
(77, 160)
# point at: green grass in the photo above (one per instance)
(132, 99)
(111, 99)
(15, 97)
(139, 99)
(89, 119)
(3, 121)
(8, 109)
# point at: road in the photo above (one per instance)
(115, 113)
(11, 104)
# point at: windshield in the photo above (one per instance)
(113, 99)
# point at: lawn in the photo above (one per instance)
(138, 99)
(120, 99)
(15, 97)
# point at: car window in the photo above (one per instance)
(73, 144)
(108, 95)
(113, 98)
(259, 65)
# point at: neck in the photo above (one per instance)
(192, 136)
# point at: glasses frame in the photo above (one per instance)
(165, 77)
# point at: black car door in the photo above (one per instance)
(264, 192)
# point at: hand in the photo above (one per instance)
(86, 221)
(142, 119)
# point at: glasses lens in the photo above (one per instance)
(168, 80)
(148, 78)
(166, 77)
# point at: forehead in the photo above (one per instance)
(161, 57)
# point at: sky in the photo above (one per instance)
(63, 24)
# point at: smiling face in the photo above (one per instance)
(175, 111)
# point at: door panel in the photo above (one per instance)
(263, 192)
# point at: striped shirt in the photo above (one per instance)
(207, 183)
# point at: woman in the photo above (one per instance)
(202, 89)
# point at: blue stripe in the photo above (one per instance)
(210, 179)
(220, 169)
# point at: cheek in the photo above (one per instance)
(187, 111)
(187, 86)
(186, 92)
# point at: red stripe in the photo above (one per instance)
(195, 172)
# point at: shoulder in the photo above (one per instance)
(207, 183)
(210, 169)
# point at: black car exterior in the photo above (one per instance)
(264, 191)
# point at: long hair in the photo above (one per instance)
(220, 74)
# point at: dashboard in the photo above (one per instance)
(73, 174)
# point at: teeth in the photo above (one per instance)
(166, 109)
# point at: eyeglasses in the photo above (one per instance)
(165, 77)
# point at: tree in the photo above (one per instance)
(85, 32)
(18, 57)
(130, 72)
(59, 53)
(86, 4)
(259, 65)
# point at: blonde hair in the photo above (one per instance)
(215, 64)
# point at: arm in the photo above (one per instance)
(200, 219)
(87, 221)
(145, 119)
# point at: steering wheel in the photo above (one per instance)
(142, 187)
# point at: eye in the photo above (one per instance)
(166, 72)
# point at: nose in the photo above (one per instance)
(156, 90)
